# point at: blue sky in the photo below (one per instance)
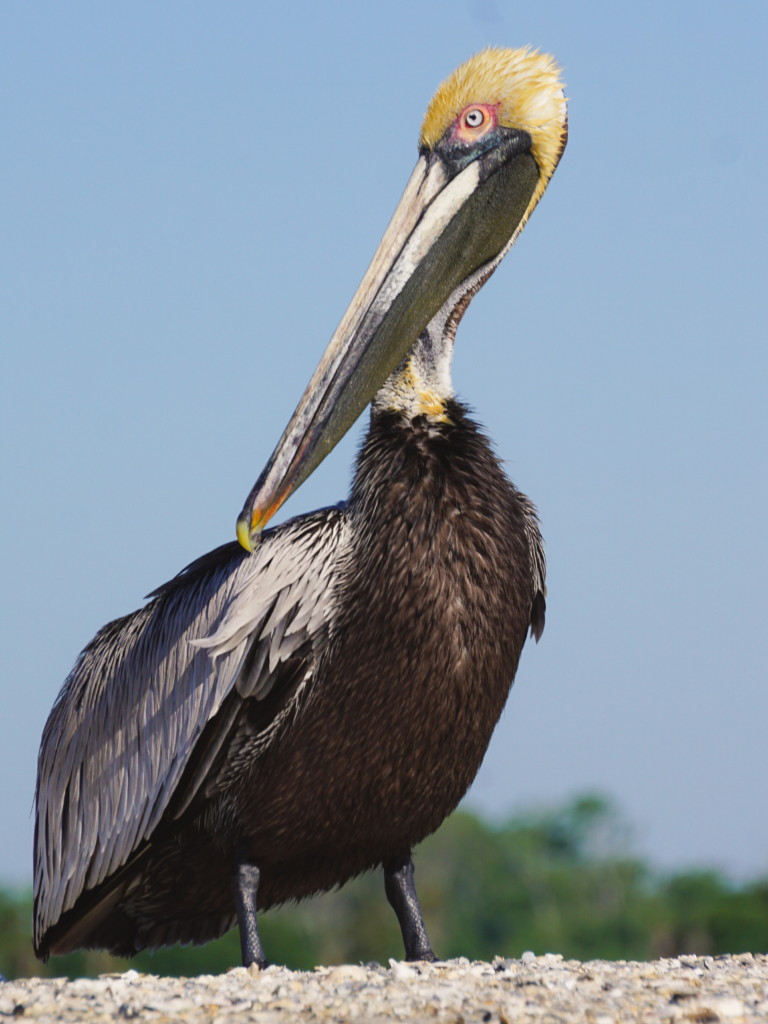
(191, 193)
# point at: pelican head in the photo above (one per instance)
(490, 141)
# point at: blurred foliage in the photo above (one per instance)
(559, 881)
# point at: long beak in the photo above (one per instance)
(450, 221)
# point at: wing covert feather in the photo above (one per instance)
(126, 721)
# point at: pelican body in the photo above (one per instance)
(312, 700)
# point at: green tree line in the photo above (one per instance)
(558, 881)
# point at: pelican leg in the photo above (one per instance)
(401, 893)
(245, 887)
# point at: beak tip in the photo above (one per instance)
(244, 533)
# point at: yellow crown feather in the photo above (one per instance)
(527, 87)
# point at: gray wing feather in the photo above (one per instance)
(127, 719)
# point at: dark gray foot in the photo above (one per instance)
(245, 887)
(401, 893)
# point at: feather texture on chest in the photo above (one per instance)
(443, 532)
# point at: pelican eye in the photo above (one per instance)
(474, 118)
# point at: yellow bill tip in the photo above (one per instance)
(244, 533)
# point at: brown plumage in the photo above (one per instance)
(410, 690)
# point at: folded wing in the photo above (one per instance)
(126, 723)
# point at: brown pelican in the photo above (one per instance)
(298, 708)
